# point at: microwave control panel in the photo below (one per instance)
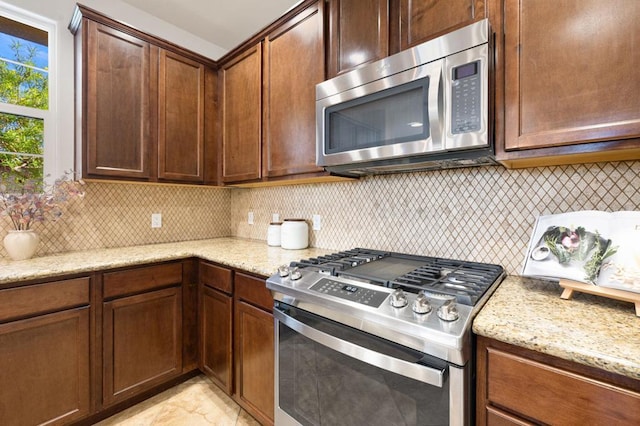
(466, 98)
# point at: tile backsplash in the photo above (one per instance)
(119, 215)
(484, 214)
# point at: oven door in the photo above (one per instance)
(331, 374)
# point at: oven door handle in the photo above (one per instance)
(422, 373)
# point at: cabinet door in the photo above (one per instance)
(211, 128)
(181, 99)
(142, 342)
(216, 316)
(44, 375)
(422, 20)
(293, 65)
(241, 90)
(358, 33)
(571, 74)
(117, 101)
(557, 392)
(255, 361)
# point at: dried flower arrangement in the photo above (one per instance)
(27, 201)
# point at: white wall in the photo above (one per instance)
(60, 11)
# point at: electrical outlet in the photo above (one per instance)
(317, 222)
(250, 218)
(275, 217)
(156, 220)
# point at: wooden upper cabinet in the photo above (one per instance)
(422, 20)
(293, 64)
(180, 118)
(571, 73)
(240, 91)
(358, 33)
(117, 100)
(142, 105)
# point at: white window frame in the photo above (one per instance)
(49, 116)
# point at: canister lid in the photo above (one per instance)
(276, 223)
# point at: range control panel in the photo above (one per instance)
(466, 98)
(350, 292)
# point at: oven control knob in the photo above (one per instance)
(398, 299)
(448, 311)
(421, 305)
(283, 271)
(295, 274)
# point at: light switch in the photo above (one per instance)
(250, 218)
(317, 222)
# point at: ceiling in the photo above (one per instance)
(225, 23)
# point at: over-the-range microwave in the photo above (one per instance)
(427, 107)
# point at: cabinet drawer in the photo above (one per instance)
(216, 277)
(141, 279)
(500, 418)
(556, 396)
(253, 290)
(35, 299)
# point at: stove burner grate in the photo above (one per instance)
(466, 281)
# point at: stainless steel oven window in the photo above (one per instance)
(331, 374)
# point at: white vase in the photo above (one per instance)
(21, 244)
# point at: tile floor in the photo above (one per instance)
(196, 402)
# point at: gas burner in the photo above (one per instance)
(466, 282)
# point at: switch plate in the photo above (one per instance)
(317, 222)
(275, 217)
(156, 220)
(250, 218)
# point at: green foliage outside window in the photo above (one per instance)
(22, 84)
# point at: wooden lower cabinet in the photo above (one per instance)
(255, 361)
(142, 342)
(44, 369)
(254, 347)
(216, 325)
(236, 337)
(45, 353)
(516, 386)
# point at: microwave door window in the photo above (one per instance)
(388, 117)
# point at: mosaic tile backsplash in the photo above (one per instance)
(483, 214)
(119, 215)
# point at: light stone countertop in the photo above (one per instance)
(249, 255)
(589, 330)
(586, 329)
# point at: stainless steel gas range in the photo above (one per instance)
(373, 337)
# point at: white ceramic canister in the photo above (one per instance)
(294, 234)
(274, 234)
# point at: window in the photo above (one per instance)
(25, 116)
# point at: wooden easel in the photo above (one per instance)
(627, 296)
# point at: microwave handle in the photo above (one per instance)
(436, 105)
(422, 373)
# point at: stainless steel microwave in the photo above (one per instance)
(423, 108)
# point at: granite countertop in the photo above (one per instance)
(589, 330)
(249, 255)
(586, 329)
